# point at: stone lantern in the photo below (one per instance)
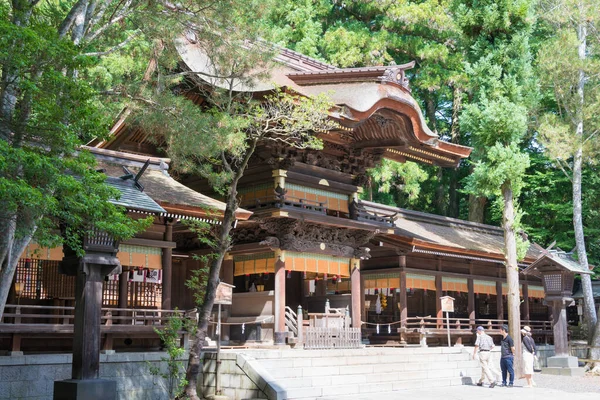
(100, 260)
(557, 270)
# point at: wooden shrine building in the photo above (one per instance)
(304, 238)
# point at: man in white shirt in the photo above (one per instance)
(484, 344)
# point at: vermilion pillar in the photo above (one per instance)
(279, 329)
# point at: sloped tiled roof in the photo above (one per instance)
(424, 230)
(132, 198)
(172, 196)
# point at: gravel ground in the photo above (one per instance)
(570, 384)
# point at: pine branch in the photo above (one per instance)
(114, 48)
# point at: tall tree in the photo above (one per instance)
(195, 140)
(497, 35)
(569, 64)
(45, 114)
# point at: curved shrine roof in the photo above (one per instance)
(372, 104)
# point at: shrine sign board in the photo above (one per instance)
(224, 293)
(447, 303)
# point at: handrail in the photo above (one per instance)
(65, 315)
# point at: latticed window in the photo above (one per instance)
(145, 295)
(110, 293)
(41, 280)
(553, 282)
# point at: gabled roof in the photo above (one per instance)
(173, 197)
(556, 258)
(595, 291)
(435, 234)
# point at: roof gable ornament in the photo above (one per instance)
(396, 75)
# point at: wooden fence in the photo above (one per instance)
(331, 338)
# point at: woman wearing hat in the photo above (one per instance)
(528, 354)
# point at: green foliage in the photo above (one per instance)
(170, 336)
(395, 184)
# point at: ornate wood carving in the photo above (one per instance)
(300, 236)
(395, 75)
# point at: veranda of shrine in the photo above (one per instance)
(303, 240)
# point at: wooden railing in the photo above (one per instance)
(22, 321)
(458, 324)
(356, 210)
(428, 326)
(284, 202)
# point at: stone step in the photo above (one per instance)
(298, 371)
(306, 393)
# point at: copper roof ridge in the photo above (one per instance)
(126, 156)
(377, 68)
(285, 52)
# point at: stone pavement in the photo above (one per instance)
(469, 392)
(549, 387)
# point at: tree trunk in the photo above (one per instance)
(430, 107)
(476, 208)
(9, 263)
(453, 201)
(589, 311)
(440, 193)
(190, 392)
(595, 353)
(512, 275)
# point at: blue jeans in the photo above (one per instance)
(506, 364)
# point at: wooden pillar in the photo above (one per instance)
(499, 301)
(228, 271)
(86, 330)
(471, 302)
(525, 314)
(123, 292)
(438, 302)
(559, 328)
(356, 293)
(403, 301)
(362, 295)
(167, 266)
(321, 287)
(279, 329)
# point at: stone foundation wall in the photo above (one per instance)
(235, 382)
(32, 377)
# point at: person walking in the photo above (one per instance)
(528, 355)
(507, 354)
(484, 344)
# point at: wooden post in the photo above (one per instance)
(499, 302)
(279, 334)
(228, 271)
(438, 303)
(356, 295)
(123, 293)
(167, 266)
(403, 301)
(471, 303)
(300, 325)
(86, 331)
(526, 316)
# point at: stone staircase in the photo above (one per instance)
(317, 374)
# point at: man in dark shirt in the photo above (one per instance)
(507, 351)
